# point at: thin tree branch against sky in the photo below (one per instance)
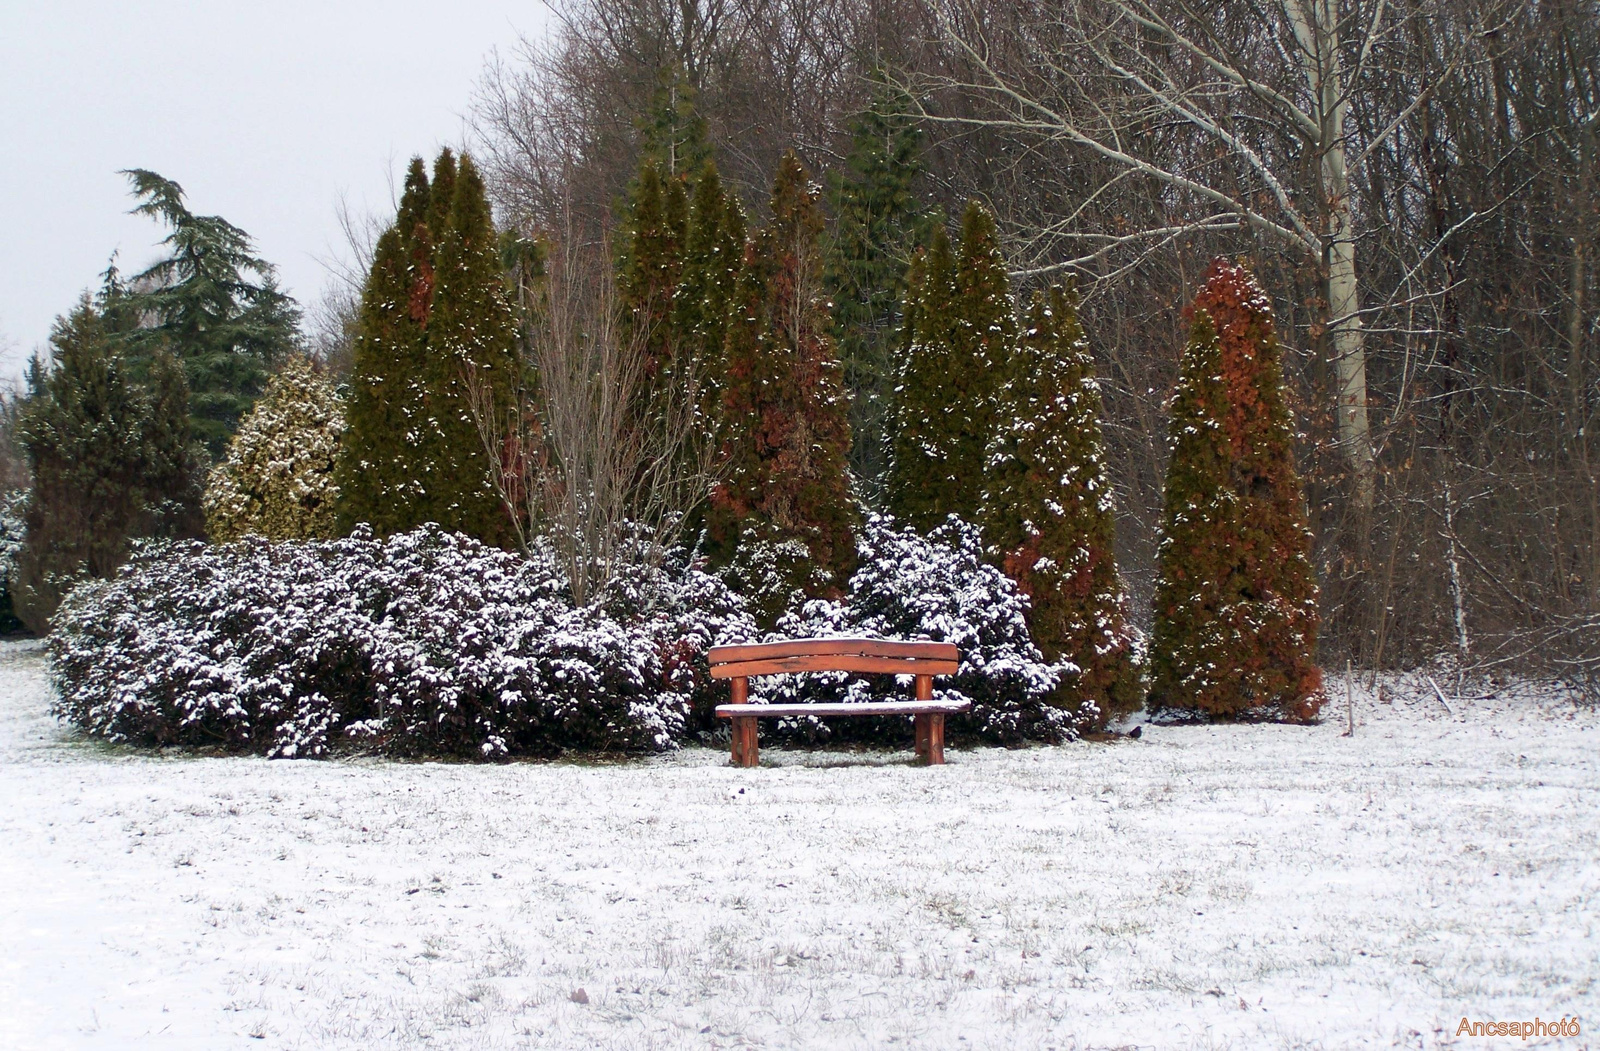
(265, 114)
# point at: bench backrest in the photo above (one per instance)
(878, 656)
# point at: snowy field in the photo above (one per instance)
(1236, 887)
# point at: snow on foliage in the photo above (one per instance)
(938, 587)
(278, 479)
(428, 643)
(431, 643)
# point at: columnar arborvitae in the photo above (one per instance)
(878, 219)
(1236, 600)
(652, 266)
(1048, 518)
(385, 410)
(110, 451)
(960, 331)
(713, 257)
(471, 354)
(436, 325)
(787, 434)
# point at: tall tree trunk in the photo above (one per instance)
(1316, 30)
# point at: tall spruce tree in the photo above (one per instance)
(960, 331)
(211, 302)
(1236, 600)
(111, 458)
(879, 218)
(1048, 519)
(787, 435)
(435, 323)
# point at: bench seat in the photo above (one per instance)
(778, 711)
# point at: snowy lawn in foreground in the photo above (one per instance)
(1244, 887)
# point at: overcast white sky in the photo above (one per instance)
(264, 113)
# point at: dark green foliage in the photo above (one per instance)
(958, 340)
(1236, 600)
(673, 134)
(653, 264)
(879, 218)
(211, 303)
(111, 460)
(713, 256)
(435, 323)
(1048, 519)
(787, 430)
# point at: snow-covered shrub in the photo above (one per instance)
(938, 587)
(774, 573)
(13, 531)
(277, 481)
(428, 643)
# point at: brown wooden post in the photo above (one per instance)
(743, 743)
(936, 739)
(924, 731)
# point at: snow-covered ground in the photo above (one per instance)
(1232, 887)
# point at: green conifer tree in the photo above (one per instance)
(713, 257)
(1236, 599)
(787, 434)
(111, 458)
(878, 221)
(922, 487)
(673, 134)
(471, 347)
(436, 322)
(386, 408)
(212, 303)
(1048, 519)
(652, 265)
(277, 481)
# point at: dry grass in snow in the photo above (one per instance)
(1228, 887)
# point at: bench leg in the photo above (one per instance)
(745, 749)
(743, 731)
(935, 754)
(921, 724)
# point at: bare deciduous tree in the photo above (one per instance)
(592, 457)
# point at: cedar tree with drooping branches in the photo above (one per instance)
(1236, 600)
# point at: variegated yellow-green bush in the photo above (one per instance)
(278, 479)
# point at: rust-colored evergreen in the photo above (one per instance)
(1236, 602)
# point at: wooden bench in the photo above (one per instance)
(875, 656)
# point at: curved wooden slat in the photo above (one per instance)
(834, 662)
(833, 646)
(772, 711)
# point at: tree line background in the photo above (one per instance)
(1414, 183)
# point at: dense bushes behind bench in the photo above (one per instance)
(430, 643)
(427, 643)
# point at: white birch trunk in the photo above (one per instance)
(1316, 29)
